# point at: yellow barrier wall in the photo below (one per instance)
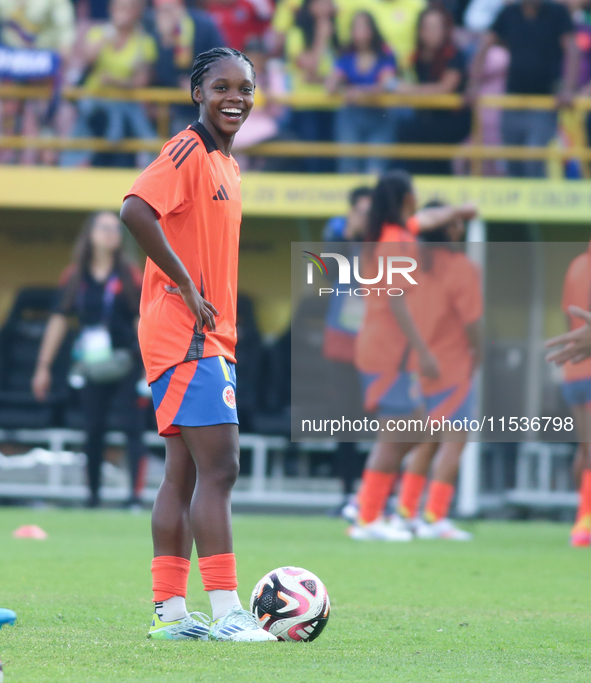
(299, 195)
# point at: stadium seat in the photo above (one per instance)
(249, 353)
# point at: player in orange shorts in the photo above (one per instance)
(451, 292)
(386, 339)
(185, 211)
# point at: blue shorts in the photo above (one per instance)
(455, 403)
(577, 393)
(402, 397)
(198, 393)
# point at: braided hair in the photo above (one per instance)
(386, 205)
(204, 61)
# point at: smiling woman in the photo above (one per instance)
(185, 212)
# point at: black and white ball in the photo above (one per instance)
(291, 603)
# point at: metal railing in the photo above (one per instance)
(474, 151)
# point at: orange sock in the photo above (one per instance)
(169, 577)
(411, 490)
(218, 572)
(373, 494)
(584, 510)
(438, 500)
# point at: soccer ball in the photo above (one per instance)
(291, 603)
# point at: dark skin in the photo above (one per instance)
(187, 508)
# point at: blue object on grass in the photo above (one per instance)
(7, 616)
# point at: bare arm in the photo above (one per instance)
(309, 60)
(141, 221)
(407, 325)
(437, 217)
(53, 338)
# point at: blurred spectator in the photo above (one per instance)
(494, 78)
(42, 25)
(240, 20)
(366, 67)
(569, 129)
(478, 17)
(101, 288)
(310, 46)
(397, 20)
(539, 35)
(118, 54)
(180, 34)
(439, 68)
(581, 15)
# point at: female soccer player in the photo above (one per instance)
(185, 211)
(387, 336)
(450, 285)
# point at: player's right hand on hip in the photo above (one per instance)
(428, 365)
(203, 310)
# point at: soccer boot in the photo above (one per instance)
(239, 626)
(194, 627)
(378, 531)
(443, 528)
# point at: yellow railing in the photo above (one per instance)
(163, 98)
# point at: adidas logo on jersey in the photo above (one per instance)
(221, 195)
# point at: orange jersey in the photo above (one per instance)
(576, 291)
(449, 298)
(195, 191)
(381, 345)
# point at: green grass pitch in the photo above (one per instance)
(513, 605)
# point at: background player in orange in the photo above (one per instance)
(577, 392)
(387, 336)
(185, 212)
(451, 294)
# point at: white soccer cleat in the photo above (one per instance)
(378, 531)
(444, 528)
(396, 521)
(239, 626)
(194, 627)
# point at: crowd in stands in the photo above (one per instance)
(302, 47)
